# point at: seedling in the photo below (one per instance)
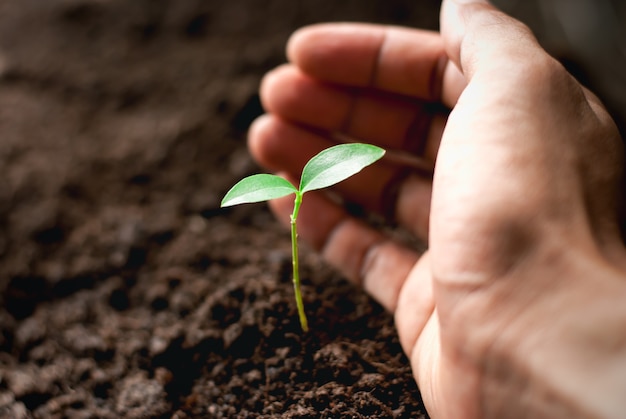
(325, 169)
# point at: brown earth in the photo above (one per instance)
(125, 290)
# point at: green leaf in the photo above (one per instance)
(337, 163)
(257, 188)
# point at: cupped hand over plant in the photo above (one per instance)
(518, 308)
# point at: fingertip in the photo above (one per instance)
(451, 30)
(415, 304)
(266, 87)
(294, 43)
(260, 137)
(301, 39)
(454, 20)
(336, 52)
(272, 85)
(478, 34)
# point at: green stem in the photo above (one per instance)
(294, 255)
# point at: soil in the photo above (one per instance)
(125, 291)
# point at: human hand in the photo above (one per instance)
(517, 308)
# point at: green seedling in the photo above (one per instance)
(325, 169)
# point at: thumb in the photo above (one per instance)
(477, 36)
(494, 157)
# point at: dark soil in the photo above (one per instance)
(125, 291)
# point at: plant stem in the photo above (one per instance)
(294, 257)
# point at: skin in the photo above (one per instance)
(517, 308)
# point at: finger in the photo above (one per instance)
(282, 146)
(415, 305)
(478, 36)
(390, 121)
(279, 145)
(409, 62)
(385, 187)
(359, 252)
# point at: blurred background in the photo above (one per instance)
(588, 36)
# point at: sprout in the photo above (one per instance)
(325, 169)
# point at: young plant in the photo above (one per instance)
(327, 168)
